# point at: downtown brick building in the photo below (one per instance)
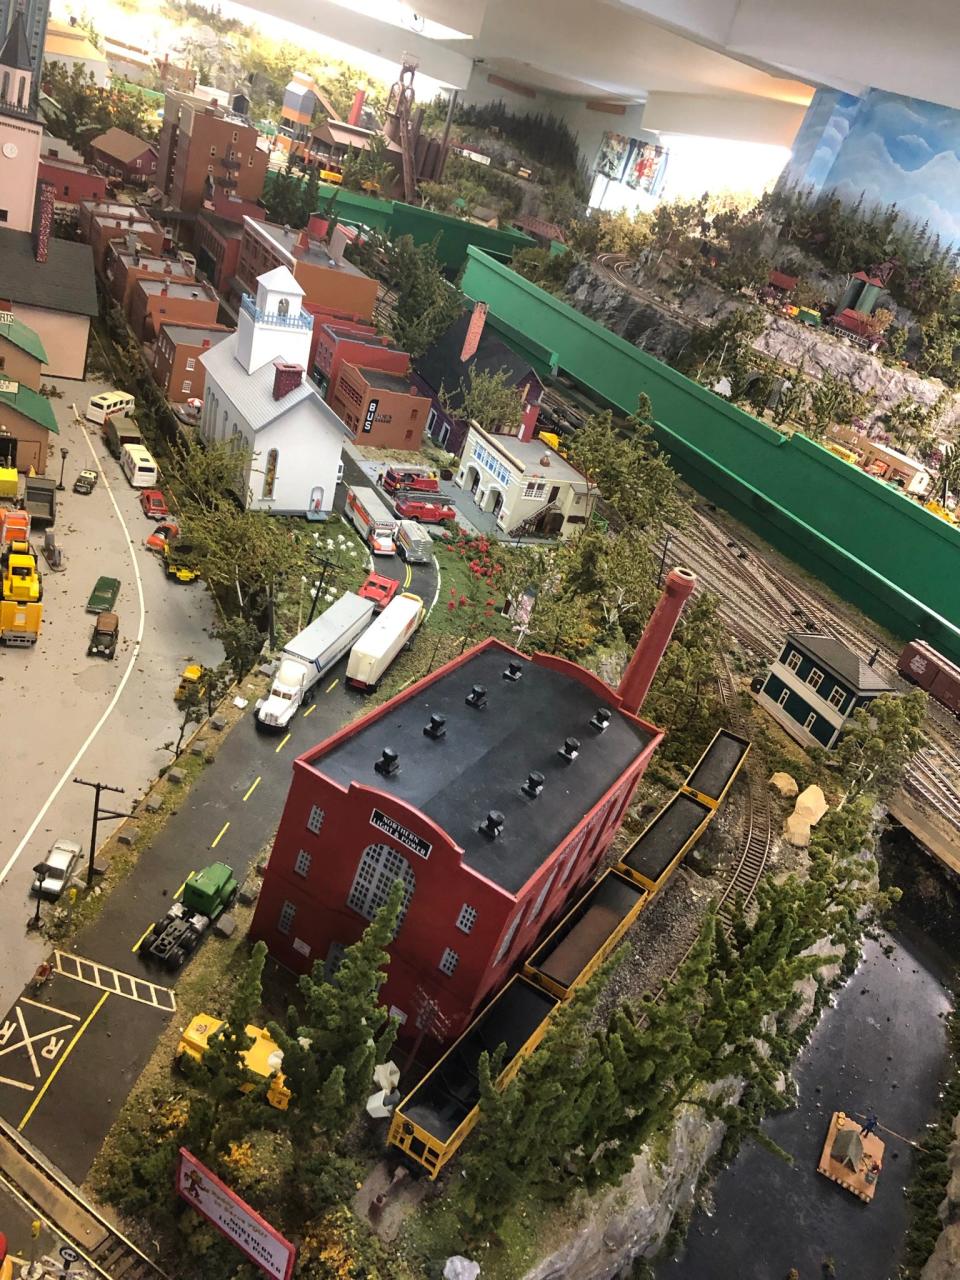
(203, 148)
(491, 789)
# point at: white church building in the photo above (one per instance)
(257, 392)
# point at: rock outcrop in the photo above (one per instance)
(944, 1262)
(783, 783)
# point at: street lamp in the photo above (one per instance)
(63, 463)
(38, 873)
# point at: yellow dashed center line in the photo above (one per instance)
(332, 685)
(282, 743)
(252, 788)
(310, 710)
(183, 886)
(407, 577)
(220, 836)
(139, 942)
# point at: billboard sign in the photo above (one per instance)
(372, 408)
(234, 1218)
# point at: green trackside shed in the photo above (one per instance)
(897, 562)
(454, 235)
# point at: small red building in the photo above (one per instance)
(72, 182)
(336, 343)
(154, 303)
(125, 156)
(491, 788)
(177, 366)
(381, 410)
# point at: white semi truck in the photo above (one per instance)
(310, 655)
(378, 646)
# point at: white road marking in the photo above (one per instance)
(436, 594)
(135, 652)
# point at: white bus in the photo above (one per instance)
(383, 640)
(108, 404)
(371, 519)
(138, 466)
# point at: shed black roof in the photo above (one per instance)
(440, 365)
(854, 671)
(486, 754)
(65, 282)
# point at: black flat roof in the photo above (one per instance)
(446, 1097)
(485, 756)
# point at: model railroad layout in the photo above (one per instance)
(431, 1123)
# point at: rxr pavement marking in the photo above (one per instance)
(114, 981)
(17, 1019)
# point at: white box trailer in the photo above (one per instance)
(371, 519)
(310, 655)
(414, 544)
(380, 643)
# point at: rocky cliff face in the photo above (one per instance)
(662, 329)
(944, 1262)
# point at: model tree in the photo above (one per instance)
(489, 399)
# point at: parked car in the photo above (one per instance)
(86, 481)
(379, 589)
(57, 868)
(104, 595)
(154, 504)
(426, 512)
(176, 557)
(166, 531)
(106, 631)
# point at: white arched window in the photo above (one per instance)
(283, 307)
(270, 474)
(380, 868)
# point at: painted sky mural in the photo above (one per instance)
(893, 150)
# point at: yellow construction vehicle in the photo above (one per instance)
(263, 1057)
(21, 578)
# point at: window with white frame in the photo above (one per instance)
(542, 895)
(285, 919)
(508, 938)
(379, 869)
(333, 961)
(185, 387)
(302, 864)
(534, 488)
(315, 819)
(783, 697)
(794, 660)
(449, 961)
(191, 364)
(467, 918)
(810, 720)
(815, 679)
(837, 696)
(572, 857)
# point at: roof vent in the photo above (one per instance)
(492, 825)
(570, 749)
(437, 727)
(514, 670)
(477, 697)
(601, 719)
(533, 785)
(388, 764)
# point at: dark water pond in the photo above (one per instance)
(881, 1047)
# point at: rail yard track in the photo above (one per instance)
(759, 604)
(47, 1196)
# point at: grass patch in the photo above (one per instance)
(468, 593)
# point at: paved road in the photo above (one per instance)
(99, 1039)
(53, 697)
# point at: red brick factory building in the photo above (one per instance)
(491, 788)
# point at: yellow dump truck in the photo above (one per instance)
(21, 579)
(20, 622)
(263, 1057)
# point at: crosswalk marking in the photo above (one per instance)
(115, 981)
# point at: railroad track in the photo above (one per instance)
(46, 1195)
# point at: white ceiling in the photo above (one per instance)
(758, 52)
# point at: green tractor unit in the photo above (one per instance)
(206, 895)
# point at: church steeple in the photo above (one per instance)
(15, 68)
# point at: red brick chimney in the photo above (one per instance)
(286, 378)
(642, 667)
(474, 331)
(356, 109)
(204, 344)
(43, 220)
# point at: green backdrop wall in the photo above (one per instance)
(876, 548)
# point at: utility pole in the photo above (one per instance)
(327, 564)
(663, 558)
(98, 813)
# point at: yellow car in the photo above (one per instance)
(190, 676)
(173, 559)
(263, 1057)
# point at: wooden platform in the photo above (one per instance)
(837, 1171)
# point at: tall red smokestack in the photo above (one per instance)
(642, 667)
(356, 110)
(471, 339)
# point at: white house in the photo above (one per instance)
(527, 486)
(256, 391)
